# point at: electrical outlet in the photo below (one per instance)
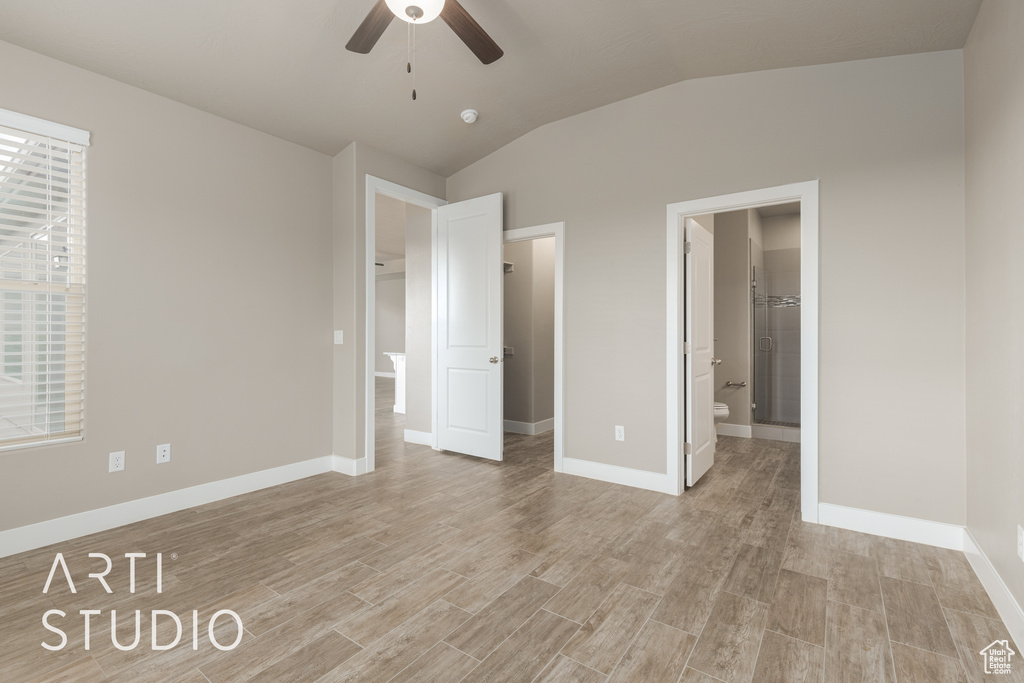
(163, 453)
(1020, 542)
(117, 461)
(620, 433)
(339, 336)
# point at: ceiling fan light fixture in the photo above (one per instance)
(416, 11)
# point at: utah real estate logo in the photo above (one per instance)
(997, 657)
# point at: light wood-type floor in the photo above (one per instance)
(441, 567)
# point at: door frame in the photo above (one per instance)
(556, 230)
(807, 194)
(375, 186)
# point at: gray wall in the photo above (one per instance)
(543, 328)
(389, 317)
(518, 333)
(187, 343)
(732, 313)
(994, 70)
(418, 313)
(781, 232)
(885, 138)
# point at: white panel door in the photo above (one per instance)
(699, 334)
(469, 327)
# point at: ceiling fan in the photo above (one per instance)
(421, 12)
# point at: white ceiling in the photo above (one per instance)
(281, 66)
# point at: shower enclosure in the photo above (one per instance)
(775, 291)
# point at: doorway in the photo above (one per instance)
(806, 194)
(548, 242)
(757, 321)
(402, 315)
(376, 186)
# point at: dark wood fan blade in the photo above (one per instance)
(370, 31)
(466, 28)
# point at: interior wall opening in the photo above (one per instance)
(529, 345)
(684, 222)
(757, 321)
(401, 353)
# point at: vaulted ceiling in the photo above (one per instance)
(280, 66)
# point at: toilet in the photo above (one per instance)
(721, 415)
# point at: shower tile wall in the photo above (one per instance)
(782, 271)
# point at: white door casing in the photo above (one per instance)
(469, 327)
(698, 326)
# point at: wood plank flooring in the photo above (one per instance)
(445, 568)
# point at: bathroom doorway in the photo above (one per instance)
(757, 321)
(735, 380)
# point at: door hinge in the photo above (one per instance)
(686, 247)
(687, 448)
(686, 348)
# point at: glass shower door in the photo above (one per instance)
(762, 346)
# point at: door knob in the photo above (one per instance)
(716, 361)
(494, 359)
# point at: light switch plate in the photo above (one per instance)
(339, 336)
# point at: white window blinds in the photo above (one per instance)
(42, 281)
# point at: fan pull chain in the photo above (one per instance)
(413, 61)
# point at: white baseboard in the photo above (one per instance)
(640, 479)
(389, 375)
(775, 433)
(544, 426)
(892, 526)
(726, 429)
(349, 466)
(33, 536)
(421, 438)
(530, 428)
(1009, 609)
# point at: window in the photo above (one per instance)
(42, 281)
